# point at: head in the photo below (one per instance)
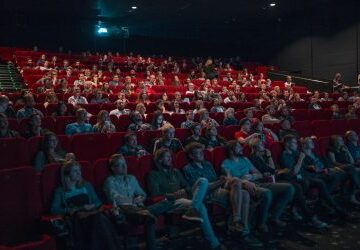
(158, 118)
(204, 114)
(120, 104)
(334, 108)
(288, 79)
(257, 127)
(351, 136)
(195, 152)
(29, 101)
(4, 103)
(35, 121)
(229, 113)
(257, 145)
(290, 143)
(168, 131)
(307, 143)
(81, 115)
(50, 142)
(245, 125)
(117, 165)
(103, 116)
(61, 108)
(71, 174)
(270, 109)
(136, 117)
(249, 113)
(130, 139)
(77, 91)
(285, 124)
(211, 131)
(163, 159)
(140, 107)
(234, 149)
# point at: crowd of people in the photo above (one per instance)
(249, 176)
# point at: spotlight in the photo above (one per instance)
(272, 4)
(134, 7)
(102, 30)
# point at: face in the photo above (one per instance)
(205, 115)
(238, 150)
(213, 131)
(29, 102)
(197, 155)
(160, 119)
(293, 145)
(52, 142)
(82, 115)
(132, 141)
(75, 173)
(166, 160)
(105, 117)
(120, 167)
(169, 134)
(77, 92)
(339, 141)
(286, 124)
(260, 127)
(63, 108)
(120, 105)
(310, 144)
(353, 137)
(36, 121)
(246, 126)
(249, 114)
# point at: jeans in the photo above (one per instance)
(265, 197)
(282, 193)
(199, 191)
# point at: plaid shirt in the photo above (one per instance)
(192, 172)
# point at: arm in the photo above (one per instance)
(57, 206)
(246, 140)
(348, 155)
(298, 164)
(332, 159)
(112, 193)
(154, 185)
(39, 161)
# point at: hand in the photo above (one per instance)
(302, 156)
(70, 157)
(250, 187)
(267, 153)
(138, 200)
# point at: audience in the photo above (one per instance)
(5, 131)
(34, 127)
(285, 129)
(352, 144)
(168, 140)
(28, 108)
(229, 117)
(80, 126)
(265, 134)
(269, 117)
(120, 109)
(211, 138)
(5, 107)
(77, 98)
(104, 124)
(137, 122)
(189, 120)
(131, 146)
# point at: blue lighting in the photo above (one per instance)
(102, 30)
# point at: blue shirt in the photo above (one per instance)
(27, 112)
(238, 168)
(193, 172)
(354, 151)
(76, 128)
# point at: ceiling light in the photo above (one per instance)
(272, 4)
(134, 7)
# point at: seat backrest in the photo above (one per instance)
(20, 204)
(13, 153)
(219, 155)
(89, 147)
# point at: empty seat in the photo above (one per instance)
(13, 153)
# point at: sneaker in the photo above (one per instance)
(316, 223)
(252, 241)
(192, 215)
(296, 215)
(236, 227)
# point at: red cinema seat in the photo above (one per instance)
(123, 123)
(302, 127)
(339, 126)
(146, 138)
(181, 158)
(321, 127)
(89, 147)
(14, 124)
(61, 123)
(177, 119)
(182, 134)
(92, 108)
(219, 155)
(322, 144)
(300, 114)
(276, 149)
(321, 114)
(49, 123)
(13, 153)
(115, 141)
(146, 164)
(20, 209)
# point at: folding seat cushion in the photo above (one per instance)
(13, 153)
(177, 119)
(321, 127)
(20, 209)
(89, 147)
(300, 114)
(123, 123)
(303, 128)
(61, 123)
(50, 180)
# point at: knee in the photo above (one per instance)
(267, 196)
(202, 182)
(245, 196)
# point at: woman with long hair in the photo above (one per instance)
(104, 124)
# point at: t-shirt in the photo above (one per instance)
(193, 172)
(241, 134)
(261, 164)
(238, 168)
(354, 151)
(76, 128)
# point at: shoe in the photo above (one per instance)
(252, 241)
(236, 227)
(296, 215)
(192, 215)
(219, 247)
(278, 223)
(316, 223)
(263, 228)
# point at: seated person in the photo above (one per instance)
(232, 195)
(140, 107)
(137, 122)
(285, 129)
(352, 143)
(124, 192)
(76, 199)
(158, 120)
(266, 134)
(205, 119)
(314, 104)
(211, 138)
(34, 127)
(229, 117)
(77, 98)
(80, 126)
(335, 112)
(244, 135)
(340, 157)
(238, 166)
(189, 119)
(294, 172)
(28, 108)
(98, 97)
(269, 117)
(167, 140)
(120, 109)
(131, 146)
(285, 114)
(217, 108)
(61, 110)
(165, 180)
(104, 124)
(5, 132)
(51, 152)
(351, 114)
(195, 134)
(5, 108)
(176, 108)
